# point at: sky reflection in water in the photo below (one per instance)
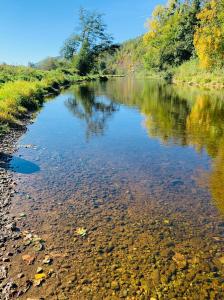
(135, 122)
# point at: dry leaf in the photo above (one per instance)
(81, 231)
(40, 276)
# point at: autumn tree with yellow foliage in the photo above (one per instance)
(209, 36)
(183, 30)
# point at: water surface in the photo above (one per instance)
(139, 165)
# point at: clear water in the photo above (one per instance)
(140, 166)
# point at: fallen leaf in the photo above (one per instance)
(81, 231)
(221, 259)
(40, 276)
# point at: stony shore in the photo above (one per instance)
(8, 226)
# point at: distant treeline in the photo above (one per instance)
(186, 32)
(178, 32)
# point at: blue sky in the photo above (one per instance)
(31, 30)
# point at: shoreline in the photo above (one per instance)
(8, 225)
(211, 85)
(36, 99)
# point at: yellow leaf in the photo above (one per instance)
(81, 231)
(40, 276)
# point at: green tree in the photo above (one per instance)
(170, 39)
(90, 40)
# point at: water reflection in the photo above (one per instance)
(176, 115)
(140, 202)
(95, 111)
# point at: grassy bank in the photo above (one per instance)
(191, 73)
(19, 96)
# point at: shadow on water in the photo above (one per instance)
(17, 164)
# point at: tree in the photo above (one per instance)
(209, 36)
(91, 39)
(70, 47)
(171, 34)
(83, 61)
(49, 63)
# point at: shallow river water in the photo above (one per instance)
(120, 194)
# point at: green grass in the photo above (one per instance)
(18, 97)
(191, 73)
(14, 73)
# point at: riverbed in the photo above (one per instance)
(119, 195)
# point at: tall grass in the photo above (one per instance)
(19, 97)
(190, 72)
(16, 98)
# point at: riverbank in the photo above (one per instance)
(8, 225)
(19, 98)
(190, 73)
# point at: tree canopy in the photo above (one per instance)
(87, 42)
(184, 29)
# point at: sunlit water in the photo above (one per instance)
(140, 166)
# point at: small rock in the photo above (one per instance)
(22, 215)
(38, 282)
(180, 260)
(11, 226)
(155, 276)
(20, 275)
(5, 259)
(39, 270)
(221, 259)
(38, 247)
(47, 260)
(115, 286)
(28, 259)
(3, 272)
(86, 281)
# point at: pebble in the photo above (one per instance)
(115, 286)
(155, 276)
(39, 270)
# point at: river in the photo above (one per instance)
(120, 194)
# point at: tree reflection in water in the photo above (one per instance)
(94, 110)
(175, 115)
